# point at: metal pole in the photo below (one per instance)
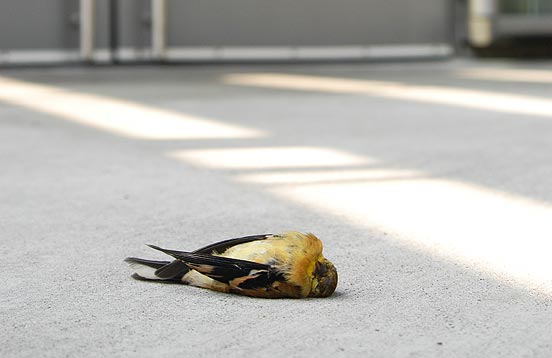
(87, 29)
(480, 21)
(113, 30)
(159, 29)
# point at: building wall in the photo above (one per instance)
(28, 26)
(307, 22)
(38, 24)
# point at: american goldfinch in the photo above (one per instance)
(269, 266)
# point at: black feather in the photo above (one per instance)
(156, 265)
(171, 281)
(221, 246)
(151, 263)
(175, 269)
(261, 279)
(223, 269)
(206, 259)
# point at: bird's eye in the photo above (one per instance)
(320, 269)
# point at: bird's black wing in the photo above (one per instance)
(177, 268)
(242, 273)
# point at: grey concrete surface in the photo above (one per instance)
(76, 200)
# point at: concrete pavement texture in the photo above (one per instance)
(428, 182)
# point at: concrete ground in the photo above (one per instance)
(429, 184)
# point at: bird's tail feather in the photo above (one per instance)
(175, 270)
(145, 269)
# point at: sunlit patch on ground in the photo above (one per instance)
(269, 157)
(461, 97)
(116, 116)
(492, 231)
(506, 74)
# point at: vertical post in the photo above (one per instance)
(87, 29)
(158, 29)
(480, 28)
(114, 30)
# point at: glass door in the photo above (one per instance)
(525, 7)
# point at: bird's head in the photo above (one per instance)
(324, 279)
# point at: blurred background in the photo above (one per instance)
(112, 31)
